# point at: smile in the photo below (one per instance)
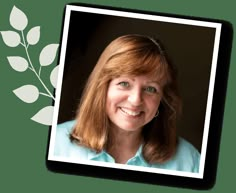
(130, 112)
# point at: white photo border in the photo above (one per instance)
(217, 26)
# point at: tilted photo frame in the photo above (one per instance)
(198, 47)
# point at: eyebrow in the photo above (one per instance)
(156, 82)
(148, 82)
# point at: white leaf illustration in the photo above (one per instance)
(11, 38)
(48, 54)
(33, 35)
(27, 93)
(18, 19)
(44, 116)
(53, 76)
(18, 63)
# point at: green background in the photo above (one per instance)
(23, 142)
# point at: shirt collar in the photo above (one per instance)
(106, 157)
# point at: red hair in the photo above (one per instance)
(130, 55)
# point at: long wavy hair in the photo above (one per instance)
(130, 55)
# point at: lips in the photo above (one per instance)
(133, 113)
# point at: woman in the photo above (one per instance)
(128, 111)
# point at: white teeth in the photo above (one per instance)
(129, 112)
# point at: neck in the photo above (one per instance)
(123, 145)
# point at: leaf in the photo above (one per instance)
(18, 19)
(33, 35)
(48, 54)
(11, 38)
(53, 76)
(18, 63)
(44, 116)
(27, 93)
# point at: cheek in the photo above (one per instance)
(112, 99)
(153, 105)
(108, 103)
(115, 96)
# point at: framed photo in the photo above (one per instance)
(198, 47)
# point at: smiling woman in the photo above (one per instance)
(131, 104)
(128, 110)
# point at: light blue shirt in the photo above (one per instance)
(185, 159)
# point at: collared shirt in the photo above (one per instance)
(185, 159)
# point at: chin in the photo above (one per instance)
(129, 127)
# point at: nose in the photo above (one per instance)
(135, 97)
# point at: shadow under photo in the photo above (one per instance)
(198, 48)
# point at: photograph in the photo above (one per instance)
(134, 92)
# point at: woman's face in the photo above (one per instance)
(132, 101)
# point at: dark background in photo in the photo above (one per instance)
(189, 47)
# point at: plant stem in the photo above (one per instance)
(39, 71)
(44, 94)
(33, 69)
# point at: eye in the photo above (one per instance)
(123, 84)
(151, 89)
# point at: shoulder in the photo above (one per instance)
(65, 127)
(186, 158)
(64, 147)
(185, 147)
(63, 131)
(67, 124)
